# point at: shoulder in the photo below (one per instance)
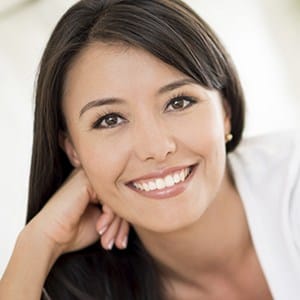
(267, 167)
(262, 154)
(275, 144)
(269, 163)
(266, 171)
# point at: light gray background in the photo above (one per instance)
(261, 35)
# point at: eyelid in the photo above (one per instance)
(102, 116)
(182, 96)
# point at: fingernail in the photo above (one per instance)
(124, 242)
(102, 230)
(110, 245)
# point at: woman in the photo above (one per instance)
(137, 107)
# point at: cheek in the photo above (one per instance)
(202, 131)
(103, 161)
(203, 135)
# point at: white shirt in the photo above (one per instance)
(266, 171)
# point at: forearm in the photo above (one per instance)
(28, 267)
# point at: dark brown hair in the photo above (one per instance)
(174, 33)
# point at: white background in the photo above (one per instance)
(262, 37)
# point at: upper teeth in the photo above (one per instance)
(161, 183)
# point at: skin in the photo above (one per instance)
(148, 139)
(148, 135)
(199, 238)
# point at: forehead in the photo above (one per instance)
(108, 61)
(106, 70)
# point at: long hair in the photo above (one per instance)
(169, 30)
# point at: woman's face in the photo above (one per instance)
(150, 139)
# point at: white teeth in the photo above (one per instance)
(186, 172)
(176, 178)
(181, 175)
(169, 181)
(152, 186)
(161, 183)
(146, 187)
(139, 186)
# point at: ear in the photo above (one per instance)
(68, 147)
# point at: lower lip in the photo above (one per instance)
(167, 192)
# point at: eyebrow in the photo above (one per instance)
(109, 101)
(100, 102)
(175, 85)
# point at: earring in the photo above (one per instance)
(228, 137)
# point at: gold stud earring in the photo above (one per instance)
(228, 137)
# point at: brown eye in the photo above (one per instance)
(109, 121)
(180, 103)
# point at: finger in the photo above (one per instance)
(122, 235)
(109, 237)
(104, 220)
(106, 209)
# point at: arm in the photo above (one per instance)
(69, 221)
(28, 267)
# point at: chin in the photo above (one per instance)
(172, 221)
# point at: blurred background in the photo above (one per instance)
(263, 37)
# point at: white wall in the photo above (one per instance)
(248, 34)
(22, 39)
(247, 29)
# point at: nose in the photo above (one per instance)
(152, 140)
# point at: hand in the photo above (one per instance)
(112, 229)
(71, 219)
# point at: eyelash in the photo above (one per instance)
(105, 115)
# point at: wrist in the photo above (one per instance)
(29, 265)
(32, 236)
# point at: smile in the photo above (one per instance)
(161, 183)
(167, 185)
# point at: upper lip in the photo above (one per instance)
(161, 173)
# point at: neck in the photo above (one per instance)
(215, 244)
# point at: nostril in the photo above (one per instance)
(152, 141)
